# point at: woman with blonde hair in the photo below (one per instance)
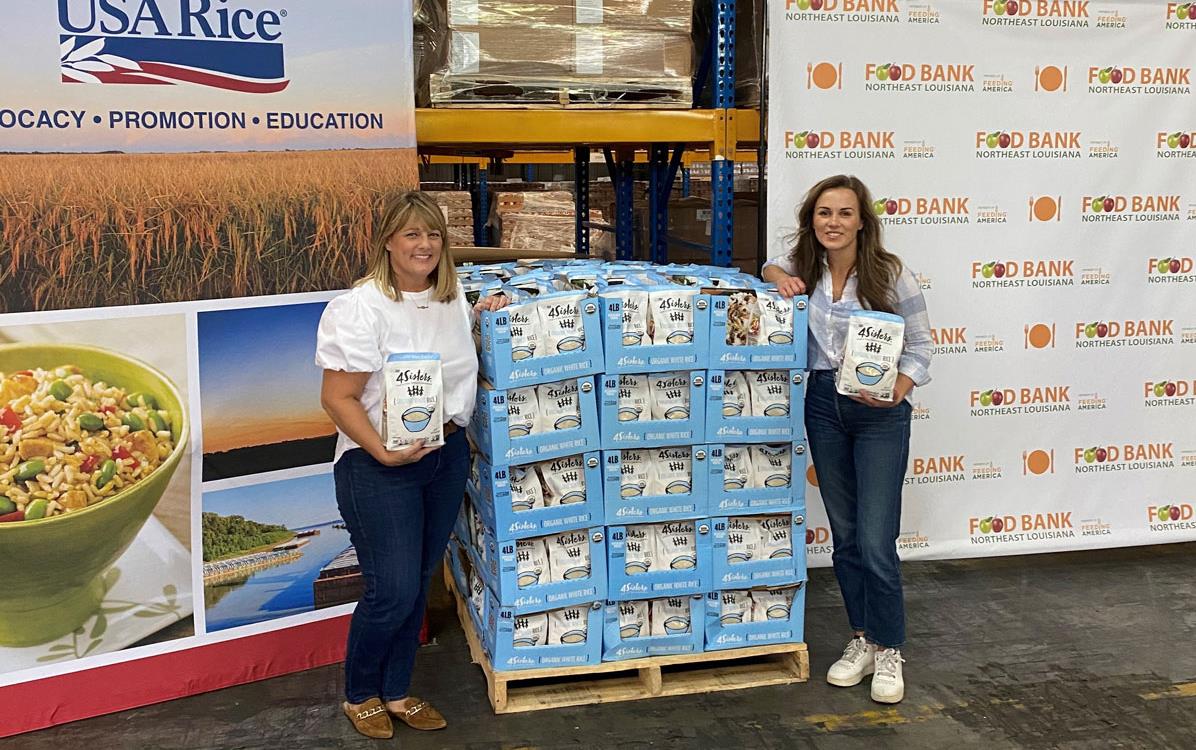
(399, 506)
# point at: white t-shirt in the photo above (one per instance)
(361, 327)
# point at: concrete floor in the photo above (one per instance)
(1076, 650)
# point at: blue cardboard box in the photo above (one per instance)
(727, 497)
(622, 427)
(498, 366)
(778, 570)
(501, 577)
(580, 646)
(490, 432)
(723, 425)
(623, 642)
(626, 357)
(490, 491)
(725, 633)
(623, 585)
(785, 353)
(643, 508)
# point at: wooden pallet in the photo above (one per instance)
(634, 679)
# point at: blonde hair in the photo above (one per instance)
(397, 213)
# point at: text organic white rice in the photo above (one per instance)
(634, 398)
(523, 412)
(531, 563)
(559, 406)
(771, 604)
(736, 608)
(413, 407)
(567, 626)
(560, 316)
(633, 619)
(670, 395)
(670, 616)
(564, 480)
(772, 465)
(530, 630)
(672, 315)
(871, 354)
(770, 392)
(569, 556)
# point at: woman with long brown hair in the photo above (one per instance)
(859, 445)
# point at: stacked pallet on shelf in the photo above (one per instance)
(666, 479)
(457, 207)
(593, 53)
(543, 220)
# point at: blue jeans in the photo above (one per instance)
(399, 519)
(860, 454)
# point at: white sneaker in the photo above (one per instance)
(856, 663)
(888, 686)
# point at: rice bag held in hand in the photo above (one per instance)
(871, 354)
(776, 319)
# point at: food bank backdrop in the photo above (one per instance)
(181, 186)
(1032, 162)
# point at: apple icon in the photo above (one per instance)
(1090, 330)
(1105, 75)
(1185, 140)
(1005, 140)
(1164, 513)
(1089, 455)
(1182, 12)
(998, 524)
(815, 4)
(809, 536)
(879, 206)
(883, 72)
(803, 4)
(890, 207)
(999, 270)
(987, 271)
(986, 525)
(986, 398)
(1160, 389)
(1098, 204)
(895, 71)
(992, 140)
(1174, 513)
(1173, 140)
(1000, 7)
(1109, 203)
(1170, 390)
(1101, 455)
(998, 397)
(1115, 75)
(1174, 266)
(812, 138)
(1164, 265)
(1102, 330)
(1011, 7)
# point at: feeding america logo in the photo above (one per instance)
(210, 43)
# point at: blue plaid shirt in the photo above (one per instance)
(829, 321)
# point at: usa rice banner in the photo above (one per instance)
(184, 184)
(1032, 161)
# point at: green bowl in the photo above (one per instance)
(55, 566)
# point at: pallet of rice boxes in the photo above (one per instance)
(587, 53)
(527, 220)
(533, 543)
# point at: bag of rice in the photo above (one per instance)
(412, 408)
(736, 399)
(771, 604)
(531, 563)
(560, 316)
(670, 616)
(871, 354)
(568, 626)
(738, 471)
(639, 554)
(560, 408)
(743, 540)
(736, 608)
(523, 412)
(477, 591)
(775, 538)
(569, 555)
(671, 314)
(670, 395)
(525, 330)
(634, 399)
(635, 472)
(633, 619)
(772, 465)
(676, 547)
(672, 471)
(526, 491)
(634, 304)
(530, 630)
(564, 480)
(743, 319)
(776, 319)
(770, 392)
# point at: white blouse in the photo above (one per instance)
(361, 327)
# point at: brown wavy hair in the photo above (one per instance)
(397, 213)
(876, 268)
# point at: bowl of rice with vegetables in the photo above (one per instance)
(89, 440)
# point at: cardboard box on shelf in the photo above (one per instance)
(545, 52)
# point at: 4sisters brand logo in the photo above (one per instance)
(1181, 16)
(1029, 144)
(201, 42)
(950, 340)
(1121, 208)
(1035, 13)
(1006, 402)
(840, 144)
(937, 470)
(923, 209)
(1115, 79)
(1125, 333)
(1022, 273)
(943, 78)
(843, 11)
(1176, 144)
(1170, 270)
(1124, 457)
(1170, 517)
(1025, 527)
(1168, 393)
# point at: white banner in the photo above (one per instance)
(1033, 163)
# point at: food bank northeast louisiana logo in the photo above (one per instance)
(1170, 270)
(990, 402)
(937, 470)
(1181, 16)
(1114, 79)
(1035, 13)
(1028, 144)
(1176, 144)
(843, 11)
(1168, 393)
(1026, 527)
(1170, 517)
(923, 209)
(1124, 333)
(1020, 273)
(953, 340)
(201, 42)
(946, 78)
(1124, 457)
(840, 144)
(1120, 208)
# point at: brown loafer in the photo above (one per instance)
(421, 716)
(371, 719)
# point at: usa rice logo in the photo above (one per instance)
(197, 42)
(1035, 13)
(843, 11)
(1171, 269)
(1145, 79)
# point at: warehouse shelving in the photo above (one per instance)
(484, 136)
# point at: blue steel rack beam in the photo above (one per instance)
(581, 201)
